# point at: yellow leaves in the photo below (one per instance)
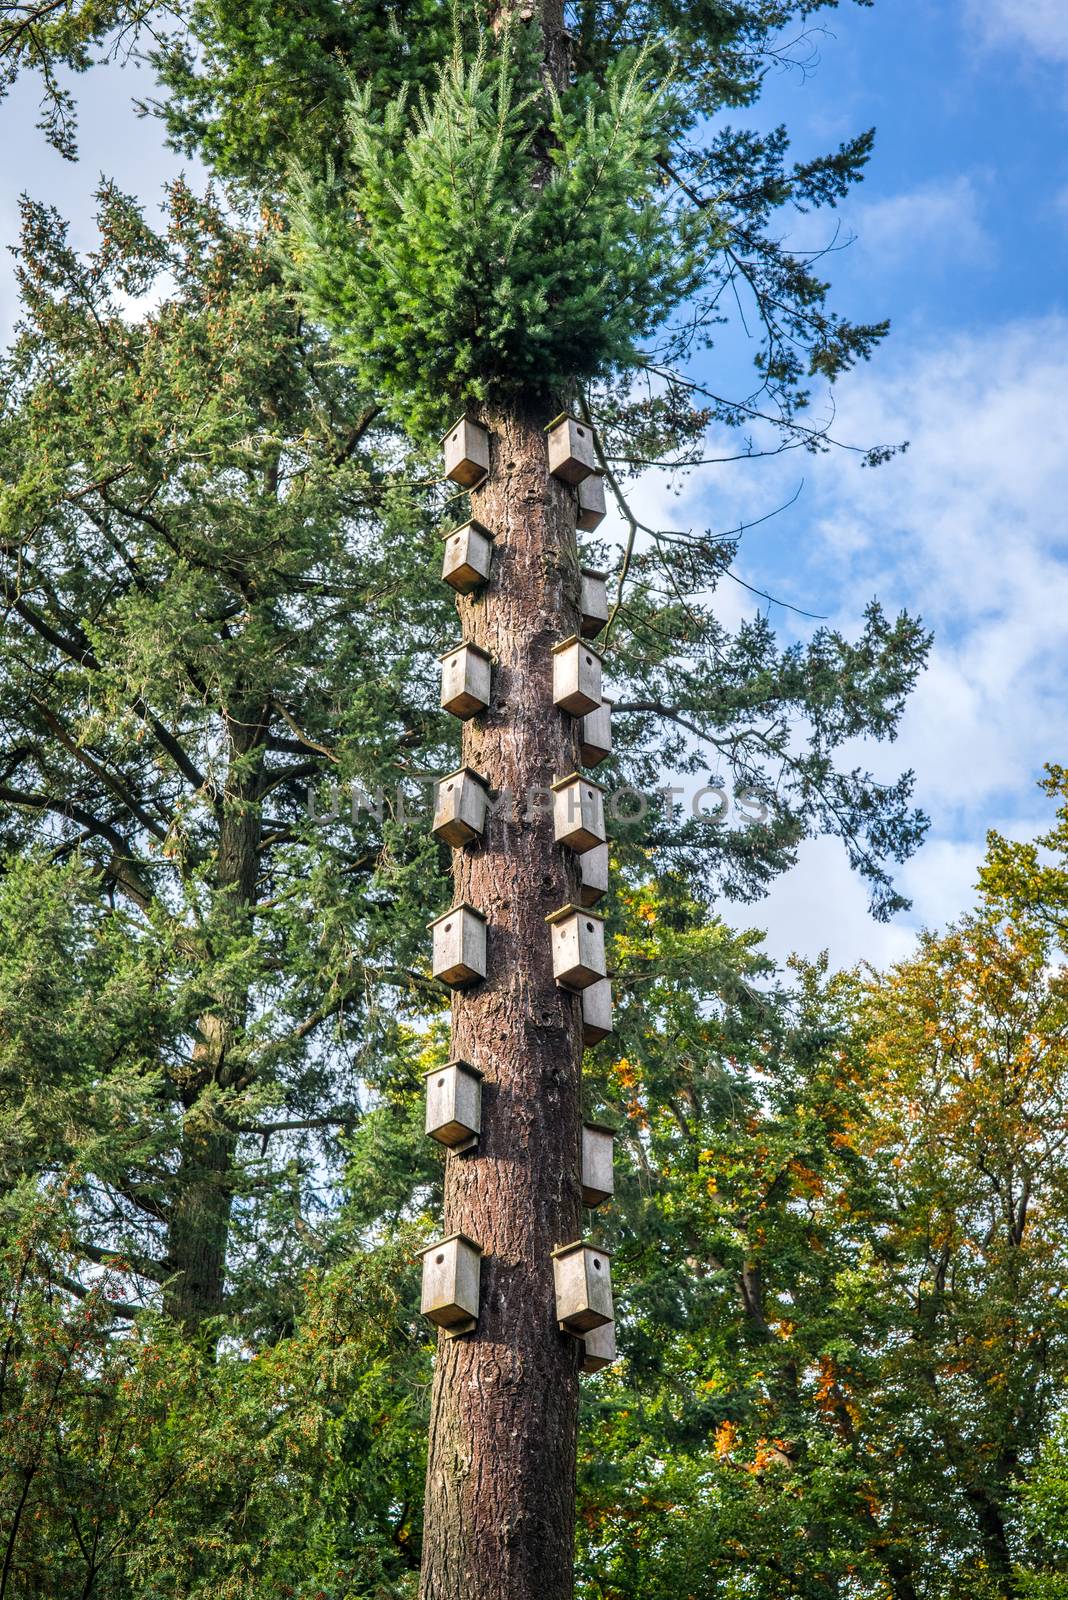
(805, 1180)
(726, 1437)
(628, 1077)
(770, 1453)
(625, 1073)
(827, 1386)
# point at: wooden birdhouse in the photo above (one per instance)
(459, 946)
(576, 676)
(465, 680)
(593, 603)
(599, 1347)
(598, 1180)
(591, 502)
(578, 812)
(595, 735)
(578, 947)
(583, 1286)
(451, 1272)
(571, 454)
(454, 1105)
(460, 808)
(468, 554)
(596, 1012)
(593, 875)
(467, 452)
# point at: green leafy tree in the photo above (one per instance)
(1029, 877)
(131, 1468)
(189, 532)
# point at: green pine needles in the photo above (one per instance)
(495, 237)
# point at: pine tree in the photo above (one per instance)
(192, 958)
(505, 216)
(502, 245)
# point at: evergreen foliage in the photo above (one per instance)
(475, 253)
(188, 554)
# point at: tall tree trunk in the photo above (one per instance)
(199, 1227)
(500, 1502)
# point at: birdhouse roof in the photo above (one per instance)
(465, 772)
(465, 418)
(579, 1244)
(464, 905)
(465, 1238)
(565, 644)
(575, 777)
(465, 644)
(573, 911)
(456, 1062)
(472, 522)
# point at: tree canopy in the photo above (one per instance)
(839, 1231)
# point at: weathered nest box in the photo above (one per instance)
(599, 1347)
(460, 808)
(571, 454)
(578, 812)
(593, 875)
(583, 1286)
(465, 680)
(591, 502)
(598, 1181)
(595, 735)
(459, 946)
(451, 1271)
(593, 602)
(576, 676)
(468, 555)
(596, 1012)
(578, 947)
(454, 1105)
(467, 452)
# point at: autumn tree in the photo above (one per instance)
(840, 1230)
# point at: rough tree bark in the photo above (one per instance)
(500, 1503)
(499, 1516)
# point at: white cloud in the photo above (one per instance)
(942, 219)
(823, 905)
(970, 529)
(1040, 26)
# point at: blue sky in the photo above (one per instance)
(960, 235)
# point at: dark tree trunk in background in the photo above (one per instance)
(199, 1225)
(500, 1504)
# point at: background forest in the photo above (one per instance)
(840, 1229)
